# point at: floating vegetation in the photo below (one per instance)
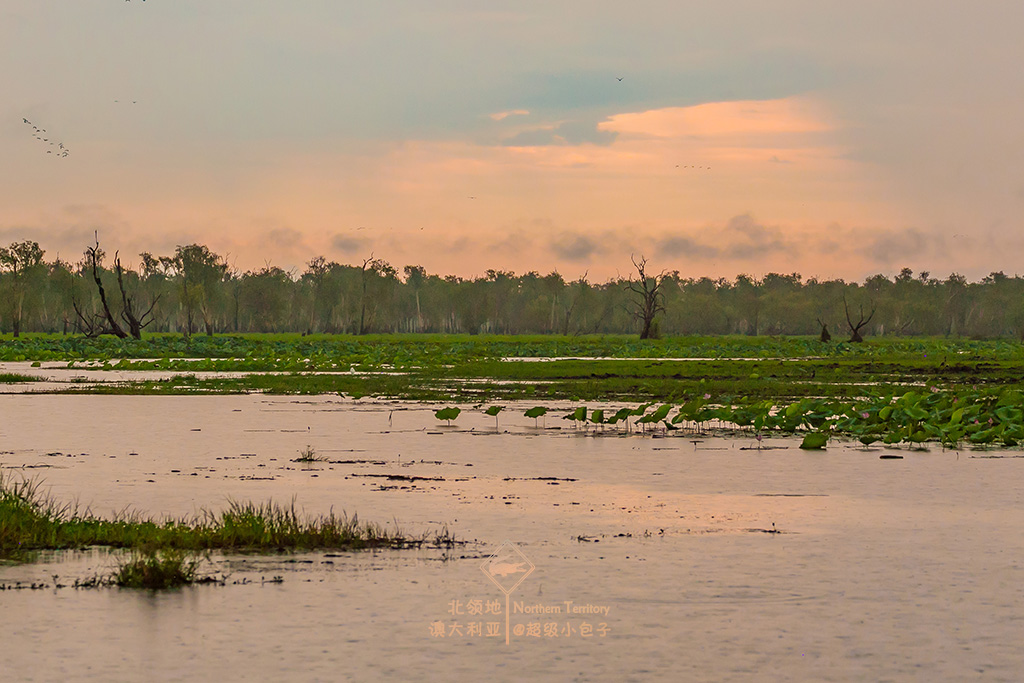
(888, 391)
(814, 441)
(493, 412)
(536, 413)
(447, 414)
(952, 418)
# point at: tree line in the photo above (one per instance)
(195, 291)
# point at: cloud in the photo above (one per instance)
(680, 245)
(575, 247)
(501, 115)
(348, 244)
(513, 242)
(741, 238)
(566, 133)
(895, 247)
(720, 119)
(285, 237)
(752, 239)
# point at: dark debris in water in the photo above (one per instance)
(108, 582)
(794, 495)
(406, 477)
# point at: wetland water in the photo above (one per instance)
(905, 569)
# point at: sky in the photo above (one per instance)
(831, 139)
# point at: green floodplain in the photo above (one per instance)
(893, 390)
(902, 392)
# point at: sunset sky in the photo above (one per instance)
(830, 139)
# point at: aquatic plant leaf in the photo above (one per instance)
(448, 414)
(661, 413)
(620, 414)
(814, 441)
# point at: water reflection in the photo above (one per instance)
(901, 569)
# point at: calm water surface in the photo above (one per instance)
(905, 569)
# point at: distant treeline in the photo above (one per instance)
(195, 291)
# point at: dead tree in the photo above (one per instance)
(90, 325)
(93, 256)
(861, 322)
(363, 278)
(136, 323)
(825, 336)
(649, 297)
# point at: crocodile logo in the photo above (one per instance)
(507, 567)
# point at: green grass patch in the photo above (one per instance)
(12, 377)
(473, 369)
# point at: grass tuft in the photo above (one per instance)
(156, 570)
(308, 454)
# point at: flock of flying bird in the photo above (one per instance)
(38, 133)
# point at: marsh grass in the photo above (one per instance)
(157, 570)
(31, 521)
(12, 377)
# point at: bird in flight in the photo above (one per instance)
(37, 134)
(620, 79)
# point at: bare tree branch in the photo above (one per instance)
(855, 335)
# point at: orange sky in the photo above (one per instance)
(713, 150)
